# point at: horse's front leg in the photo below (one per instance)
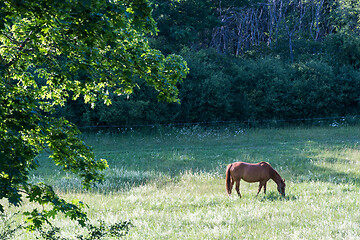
(237, 187)
(265, 187)
(260, 186)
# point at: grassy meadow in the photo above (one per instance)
(170, 182)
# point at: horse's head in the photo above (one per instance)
(281, 187)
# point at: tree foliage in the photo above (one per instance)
(52, 51)
(184, 23)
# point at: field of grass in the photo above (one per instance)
(171, 183)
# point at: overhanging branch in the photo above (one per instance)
(21, 49)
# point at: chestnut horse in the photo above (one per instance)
(252, 172)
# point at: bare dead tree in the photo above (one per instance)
(241, 29)
(314, 25)
(293, 22)
(264, 23)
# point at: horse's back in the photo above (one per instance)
(250, 172)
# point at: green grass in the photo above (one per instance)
(171, 183)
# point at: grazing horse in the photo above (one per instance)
(252, 172)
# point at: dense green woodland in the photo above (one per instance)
(248, 60)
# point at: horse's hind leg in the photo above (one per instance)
(231, 184)
(237, 187)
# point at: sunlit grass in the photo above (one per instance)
(196, 207)
(170, 183)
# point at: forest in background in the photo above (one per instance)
(248, 60)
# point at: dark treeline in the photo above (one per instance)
(248, 60)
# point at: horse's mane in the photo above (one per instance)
(274, 174)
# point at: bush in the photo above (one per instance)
(224, 88)
(343, 49)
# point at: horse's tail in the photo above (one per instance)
(228, 181)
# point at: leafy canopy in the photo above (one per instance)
(52, 51)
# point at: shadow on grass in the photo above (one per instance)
(274, 196)
(309, 170)
(109, 184)
(325, 174)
